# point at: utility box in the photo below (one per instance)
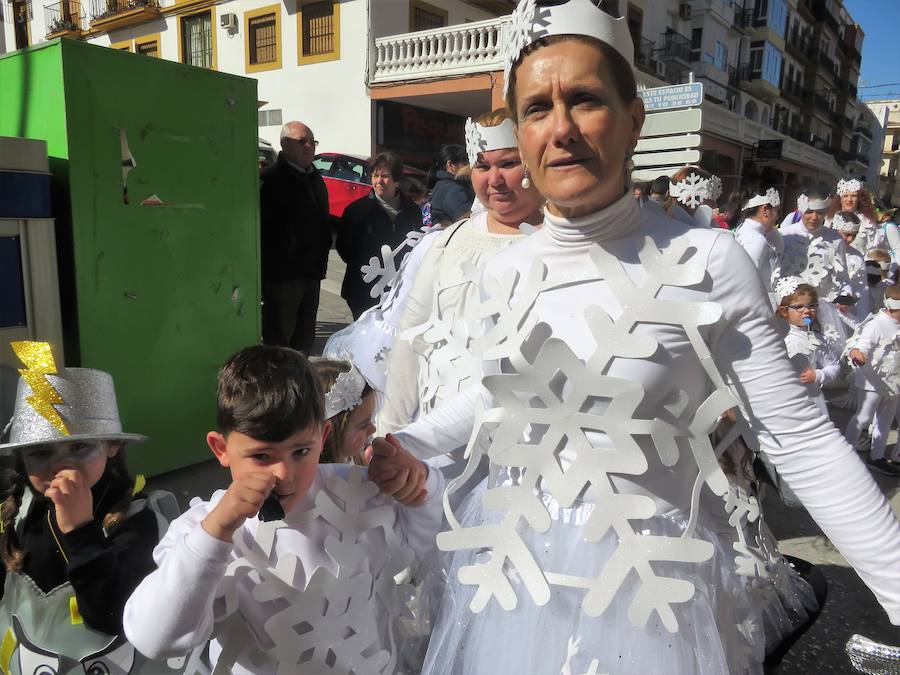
(155, 194)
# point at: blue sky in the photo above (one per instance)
(879, 20)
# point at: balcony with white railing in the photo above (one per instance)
(463, 49)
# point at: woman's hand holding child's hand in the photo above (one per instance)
(808, 376)
(396, 471)
(243, 499)
(72, 499)
(857, 357)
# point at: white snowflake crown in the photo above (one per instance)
(787, 286)
(770, 197)
(839, 223)
(694, 189)
(345, 393)
(891, 303)
(805, 204)
(529, 23)
(484, 139)
(848, 187)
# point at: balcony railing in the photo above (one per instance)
(864, 130)
(453, 50)
(63, 18)
(742, 17)
(675, 45)
(104, 10)
(822, 13)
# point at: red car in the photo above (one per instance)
(347, 179)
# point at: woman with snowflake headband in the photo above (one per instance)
(758, 236)
(609, 337)
(817, 254)
(433, 358)
(696, 192)
(853, 197)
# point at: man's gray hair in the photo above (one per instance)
(287, 129)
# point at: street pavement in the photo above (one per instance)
(850, 607)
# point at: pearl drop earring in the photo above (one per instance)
(526, 181)
(629, 163)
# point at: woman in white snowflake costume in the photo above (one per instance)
(612, 334)
(757, 234)
(432, 361)
(853, 197)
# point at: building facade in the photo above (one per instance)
(402, 74)
(886, 113)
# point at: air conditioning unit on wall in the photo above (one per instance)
(228, 21)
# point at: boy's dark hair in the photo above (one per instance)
(659, 185)
(268, 393)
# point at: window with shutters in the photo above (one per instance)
(262, 39)
(197, 40)
(319, 28)
(423, 16)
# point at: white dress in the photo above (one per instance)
(590, 547)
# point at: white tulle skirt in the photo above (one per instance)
(727, 627)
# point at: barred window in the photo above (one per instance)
(318, 28)
(263, 39)
(423, 19)
(269, 118)
(150, 48)
(196, 40)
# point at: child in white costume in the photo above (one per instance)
(350, 403)
(614, 335)
(875, 350)
(810, 350)
(306, 586)
(855, 199)
(77, 531)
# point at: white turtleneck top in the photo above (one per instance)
(723, 288)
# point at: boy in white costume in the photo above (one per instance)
(875, 350)
(308, 584)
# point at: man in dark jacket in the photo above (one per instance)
(295, 236)
(382, 218)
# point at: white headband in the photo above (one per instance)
(529, 23)
(694, 190)
(484, 139)
(771, 198)
(346, 393)
(844, 226)
(890, 303)
(787, 286)
(848, 187)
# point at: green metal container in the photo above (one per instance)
(156, 196)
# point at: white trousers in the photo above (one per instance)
(872, 405)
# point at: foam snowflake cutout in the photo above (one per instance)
(743, 510)
(694, 189)
(547, 387)
(518, 36)
(385, 274)
(339, 622)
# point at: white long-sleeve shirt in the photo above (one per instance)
(802, 443)
(182, 604)
(763, 248)
(818, 257)
(809, 349)
(877, 331)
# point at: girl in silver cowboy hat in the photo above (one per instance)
(76, 531)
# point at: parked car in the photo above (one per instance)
(347, 178)
(267, 154)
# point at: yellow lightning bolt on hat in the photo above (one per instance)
(38, 360)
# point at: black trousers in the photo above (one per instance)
(289, 313)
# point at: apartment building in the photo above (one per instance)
(779, 76)
(886, 113)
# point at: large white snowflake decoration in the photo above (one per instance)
(787, 286)
(345, 393)
(815, 261)
(803, 203)
(385, 273)
(886, 363)
(743, 510)
(593, 415)
(336, 623)
(571, 653)
(694, 189)
(473, 141)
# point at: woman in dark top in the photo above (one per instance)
(452, 196)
